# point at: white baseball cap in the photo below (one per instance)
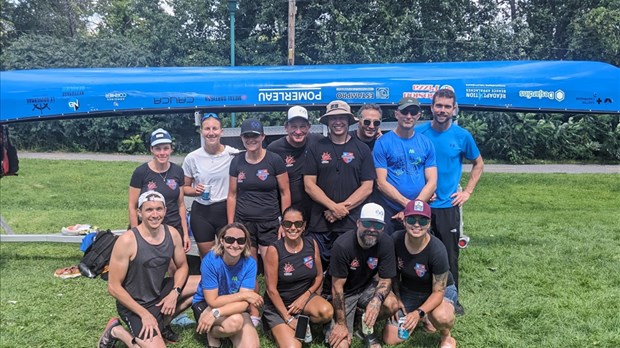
(151, 196)
(297, 111)
(372, 212)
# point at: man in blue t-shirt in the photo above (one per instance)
(405, 165)
(452, 144)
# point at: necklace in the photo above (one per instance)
(164, 177)
(294, 249)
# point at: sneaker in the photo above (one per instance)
(458, 309)
(182, 320)
(107, 340)
(256, 321)
(169, 335)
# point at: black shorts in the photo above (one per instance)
(206, 220)
(134, 322)
(271, 316)
(262, 233)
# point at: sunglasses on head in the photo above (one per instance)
(209, 115)
(232, 240)
(369, 122)
(289, 224)
(422, 221)
(374, 224)
(410, 111)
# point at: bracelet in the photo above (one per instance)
(310, 292)
(290, 320)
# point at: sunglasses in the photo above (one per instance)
(232, 240)
(289, 224)
(422, 221)
(374, 224)
(250, 135)
(374, 123)
(410, 111)
(209, 115)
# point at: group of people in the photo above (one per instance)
(342, 223)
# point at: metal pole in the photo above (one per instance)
(232, 8)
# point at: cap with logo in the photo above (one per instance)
(407, 102)
(418, 207)
(151, 196)
(372, 212)
(338, 107)
(160, 136)
(252, 125)
(297, 111)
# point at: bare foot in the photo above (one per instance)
(447, 342)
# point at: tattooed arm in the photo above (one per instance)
(374, 306)
(432, 302)
(339, 332)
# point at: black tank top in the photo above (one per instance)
(146, 272)
(296, 272)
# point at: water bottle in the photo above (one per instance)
(402, 333)
(366, 330)
(308, 338)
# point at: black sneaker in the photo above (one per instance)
(458, 309)
(107, 340)
(169, 335)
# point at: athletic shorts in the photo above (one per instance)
(354, 301)
(414, 299)
(134, 322)
(271, 316)
(206, 220)
(262, 233)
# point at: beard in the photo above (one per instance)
(368, 239)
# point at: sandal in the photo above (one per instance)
(371, 341)
(67, 272)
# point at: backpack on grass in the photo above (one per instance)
(98, 254)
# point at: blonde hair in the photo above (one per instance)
(218, 248)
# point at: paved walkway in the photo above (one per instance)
(490, 168)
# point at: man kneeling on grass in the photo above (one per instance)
(146, 299)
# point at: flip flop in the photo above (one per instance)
(67, 272)
(371, 341)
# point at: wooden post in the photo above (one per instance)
(292, 10)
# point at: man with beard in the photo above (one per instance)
(146, 299)
(362, 267)
(338, 176)
(292, 149)
(452, 144)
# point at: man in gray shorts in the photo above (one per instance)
(145, 298)
(362, 266)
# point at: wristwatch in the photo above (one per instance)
(215, 312)
(178, 290)
(421, 313)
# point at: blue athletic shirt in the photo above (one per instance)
(215, 274)
(451, 146)
(405, 161)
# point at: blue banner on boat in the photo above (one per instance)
(541, 86)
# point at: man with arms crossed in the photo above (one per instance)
(452, 144)
(145, 298)
(357, 257)
(405, 164)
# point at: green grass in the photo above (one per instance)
(542, 269)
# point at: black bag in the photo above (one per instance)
(98, 254)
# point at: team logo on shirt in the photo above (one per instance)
(262, 174)
(240, 177)
(172, 184)
(401, 263)
(372, 262)
(347, 157)
(420, 270)
(289, 160)
(354, 264)
(288, 269)
(309, 262)
(151, 185)
(326, 157)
